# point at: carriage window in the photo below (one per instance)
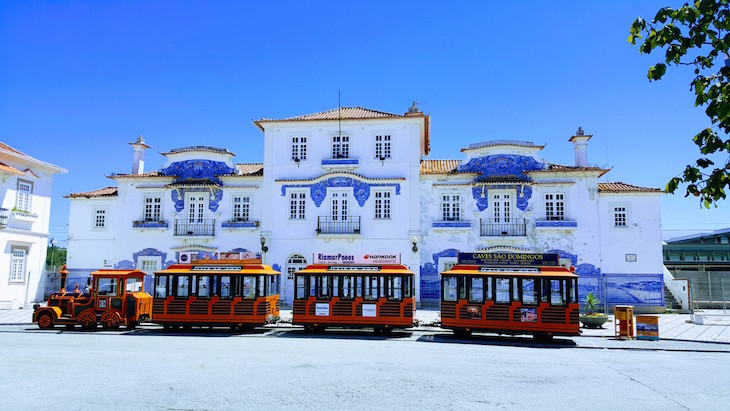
(371, 287)
(489, 288)
(301, 287)
(325, 286)
(134, 285)
(529, 293)
(502, 290)
(515, 290)
(312, 285)
(204, 286)
(407, 284)
(544, 290)
(183, 284)
(336, 286)
(358, 286)
(476, 290)
(106, 286)
(249, 287)
(161, 286)
(395, 285)
(556, 292)
(225, 286)
(273, 286)
(462, 287)
(573, 290)
(348, 287)
(382, 286)
(449, 288)
(262, 286)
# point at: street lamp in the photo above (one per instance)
(264, 248)
(414, 240)
(52, 268)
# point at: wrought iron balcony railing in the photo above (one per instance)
(202, 228)
(338, 225)
(514, 227)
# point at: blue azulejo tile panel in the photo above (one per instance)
(430, 284)
(635, 289)
(339, 161)
(455, 224)
(239, 224)
(556, 224)
(149, 224)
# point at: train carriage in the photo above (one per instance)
(223, 293)
(515, 298)
(368, 296)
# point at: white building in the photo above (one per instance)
(25, 192)
(354, 181)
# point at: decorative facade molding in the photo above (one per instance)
(198, 169)
(178, 197)
(361, 189)
(479, 192)
(501, 165)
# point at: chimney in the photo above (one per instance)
(414, 110)
(580, 140)
(138, 156)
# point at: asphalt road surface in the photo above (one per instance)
(152, 369)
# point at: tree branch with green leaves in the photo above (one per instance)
(696, 35)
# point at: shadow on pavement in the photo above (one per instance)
(193, 332)
(514, 341)
(342, 334)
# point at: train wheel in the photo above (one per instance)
(87, 320)
(45, 320)
(110, 320)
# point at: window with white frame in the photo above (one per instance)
(298, 148)
(297, 205)
(99, 218)
(17, 264)
(153, 208)
(620, 216)
(25, 190)
(451, 207)
(555, 207)
(340, 146)
(382, 146)
(241, 208)
(382, 205)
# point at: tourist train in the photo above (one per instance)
(509, 293)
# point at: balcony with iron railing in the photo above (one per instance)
(513, 227)
(200, 228)
(4, 216)
(338, 225)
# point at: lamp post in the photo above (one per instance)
(414, 241)
(53, 269)
(264, 248)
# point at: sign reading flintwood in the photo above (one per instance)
(501, 259)
(356, 259)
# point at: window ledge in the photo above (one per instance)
(23, 216)
(240, 224)
(455, 225)
(349, 163)
(149, 224)
(560, 224)
(350, 237)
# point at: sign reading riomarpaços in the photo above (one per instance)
(513, 259)
(356, 259)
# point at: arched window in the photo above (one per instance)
(295, 263)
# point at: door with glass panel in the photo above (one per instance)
(196, 222)
(502, 221)
(340, 207)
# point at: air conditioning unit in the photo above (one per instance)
(187, 257)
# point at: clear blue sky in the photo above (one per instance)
(79, 80)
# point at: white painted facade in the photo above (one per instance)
(25, 196)
(312, 194)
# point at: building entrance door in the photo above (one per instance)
(196, 222)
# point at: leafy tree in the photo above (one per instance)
(59, 256)
(698, 36)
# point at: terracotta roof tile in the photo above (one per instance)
(10, 169)
(143, 175)
(439, 166)
(619, 187)
(250, 169)
(7, 149)
(102, 192)
(345, 113)
(198, 148)
(568, 169)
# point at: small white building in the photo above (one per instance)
(355, 181)
(25, 193)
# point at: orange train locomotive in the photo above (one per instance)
(377, 296)
(114, 298)
(535, 296)
(234, 293)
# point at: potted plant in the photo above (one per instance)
(592, 318)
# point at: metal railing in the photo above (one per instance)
(205, 228)
(338, 225)
(4, 215)
(514, 228)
